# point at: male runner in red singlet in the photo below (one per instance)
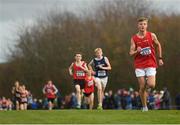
(78, 70)
(142, 48)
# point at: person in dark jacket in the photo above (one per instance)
(166, 99)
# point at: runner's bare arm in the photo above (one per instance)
(159, 48)
(43, 90)
(157, 43)
(55, 89)
(108, 67)
(70, 69)
(90, 66)
(85, 68)
(133, 51)
(13, 90)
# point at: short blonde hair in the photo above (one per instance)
(97, 49)
(78, 53)
(140, 19)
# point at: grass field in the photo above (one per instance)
(88, 117)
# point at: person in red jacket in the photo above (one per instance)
(50, 92)
(78, 70)
(4, 103)
(89, 89)
(142, 48)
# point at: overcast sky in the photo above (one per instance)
(15, 12)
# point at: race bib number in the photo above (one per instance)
(101, 73)
(80, 73)
(145, 51)
(49, 91)
(18, 95)
(24, 99)
(90, 83)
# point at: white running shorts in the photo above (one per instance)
(103, 81)
(145, 72)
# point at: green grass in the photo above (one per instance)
(88, 117)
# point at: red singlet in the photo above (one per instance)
(78, 72)
(89, 85)
(146, 58)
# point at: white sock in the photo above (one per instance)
(79, 103)
(146, 107)
(100, 104)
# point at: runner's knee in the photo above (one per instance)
(151, 84)
(78, 91)
(141, 89)
(99, 86)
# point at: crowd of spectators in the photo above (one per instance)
(123, 99)
(130, 99)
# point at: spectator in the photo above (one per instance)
(128, 100)
(138, 100)
(151, 100)
(59, 100)
(158, 100)
(45, 103)
(34, 105)
(39, 104)
(117, 98)
(123, 99)
(105, 101)
(166, 99)
(177, 101)
(4, 104)
(111, 102)
(9, 104)
(0, 104)
(73, 100)
(30, 100)
(67, 101)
